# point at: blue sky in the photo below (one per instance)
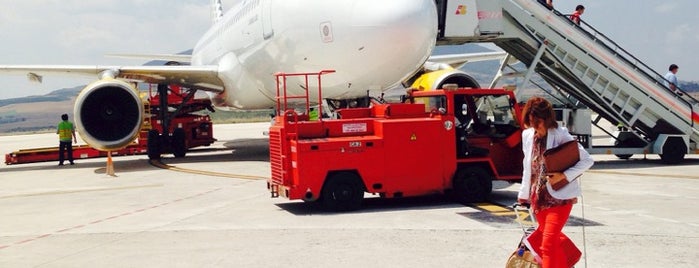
(82, 32)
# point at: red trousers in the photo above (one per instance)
(553, 247)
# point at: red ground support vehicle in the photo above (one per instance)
(439, 141)
(172, 126)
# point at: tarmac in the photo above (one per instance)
(212, 209)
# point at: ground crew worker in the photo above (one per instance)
(313, 114)
(66, 135)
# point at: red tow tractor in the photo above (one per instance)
(453, 141)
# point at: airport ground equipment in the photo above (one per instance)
(587, 68)
(189, 129)
(452, 140)
(172, 123)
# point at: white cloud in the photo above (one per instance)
(679, 34)
(666, 7)
(82, 32)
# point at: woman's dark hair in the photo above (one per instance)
(579, 7)
(538, 108)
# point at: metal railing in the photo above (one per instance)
(629, 58)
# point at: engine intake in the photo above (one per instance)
(437, 79)
(108, 114)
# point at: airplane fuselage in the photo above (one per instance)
(372, 45)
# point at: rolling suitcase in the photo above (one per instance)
(524, 256)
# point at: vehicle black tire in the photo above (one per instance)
(343, 191)
(153, 146)
(179, 146)
(622, 156)
(674, 150)
(472, 184)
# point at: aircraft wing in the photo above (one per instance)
(196, 77)
(458, 60)
(164, 57)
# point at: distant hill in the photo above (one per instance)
(36, 113)
(690, 86)
(63, 94)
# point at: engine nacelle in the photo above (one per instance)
(437, 79)
(108, 114)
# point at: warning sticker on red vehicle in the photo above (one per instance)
(354, 128)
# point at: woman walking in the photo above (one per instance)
(551, 207)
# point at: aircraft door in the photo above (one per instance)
(267, 30)
(442, 17)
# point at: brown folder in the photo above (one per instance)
(561, 158)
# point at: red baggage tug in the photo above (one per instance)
(441, 141)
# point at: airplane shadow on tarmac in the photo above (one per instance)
(120, 165)
(377, 204)
(235, 150)
(373, 205)
(499, 197)
(639, 163)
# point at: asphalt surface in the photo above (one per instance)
(212, 209)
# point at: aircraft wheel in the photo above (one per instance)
(343, 191)
(179, 146)
(153, 146)
(472, 184)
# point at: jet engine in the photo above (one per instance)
(108, 114)
(429, 80)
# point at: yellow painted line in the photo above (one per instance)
(159, 164)
(491, 207)
(644, 174)
(505, 213)
(523, 217)
(81, 191)
(500, 211)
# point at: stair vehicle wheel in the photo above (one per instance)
(627, 139)
(343, 191)
(179, 147)
(472, 184)
(674, 150)
(153, 145)
(622, 156)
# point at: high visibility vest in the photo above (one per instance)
(65, 131)
(313, 115)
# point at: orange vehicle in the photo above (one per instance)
(442, 141)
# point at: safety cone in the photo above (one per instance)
(110, 165)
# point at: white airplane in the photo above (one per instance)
(372, 45)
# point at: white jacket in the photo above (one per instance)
(555, 137)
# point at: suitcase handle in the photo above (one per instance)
(520, 208)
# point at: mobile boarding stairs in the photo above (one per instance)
(587, 68)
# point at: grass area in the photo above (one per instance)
(218, 117)
(27, 131)
(230, 117)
